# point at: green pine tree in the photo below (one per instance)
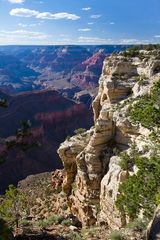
(13, 206)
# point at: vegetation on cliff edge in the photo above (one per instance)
(147, 110)
(140, 191)
(13, 206)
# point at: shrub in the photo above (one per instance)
(116, 235)
(130, 53)
(79, 130)
(74, 186)
(68, 137)
(139, 191)
(148, 47)
(64, 207)
(57, 190)
(5, 231)
(13, 206)
(75, 236)
(42, 223)
(55, 219)
(116, 151)
(25, 223)
(140, 79)
(126, 162)
(67, 222)
(98, 208)
(137, 225)
(147, 111)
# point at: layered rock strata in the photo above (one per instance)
(53, 118)
(92, 171)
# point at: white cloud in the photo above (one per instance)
(23, 34)
(90, 23)
(24, 12)
(111, 23)
(68, 40)
(97, 40)
(133, 41)
(64, 35)
(157, 36)
(128, 41)
(22, 25)
(84, 29)
(16, 1)
(63, 41)
(96, 16)
(86, 8)
(93, 40)
(29, 25)
(57, 16)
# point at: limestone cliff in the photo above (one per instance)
(91, 162)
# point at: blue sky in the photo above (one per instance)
(79, 21)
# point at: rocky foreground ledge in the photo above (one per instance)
(97, 162)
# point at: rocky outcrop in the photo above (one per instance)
(68, 152)
(57, 178)
(109, 189)
(84, 97)
(90, 163)
(153, 232)
(86, 74)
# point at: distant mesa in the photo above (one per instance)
(28, 68)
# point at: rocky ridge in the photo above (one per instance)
(52, 116)
(91, 160)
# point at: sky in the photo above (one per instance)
(52, 22)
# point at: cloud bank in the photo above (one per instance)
(84, 29)
(96, 16)
(23, 34)
(24, 12)
(16, 1)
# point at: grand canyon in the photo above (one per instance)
(79, 120)
(53, 87)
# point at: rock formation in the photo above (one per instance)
(86, 74)
(52, 117)
(91, 164)
(26, 68)
(153, 232)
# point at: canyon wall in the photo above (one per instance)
(91, 162)
(52, 118)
